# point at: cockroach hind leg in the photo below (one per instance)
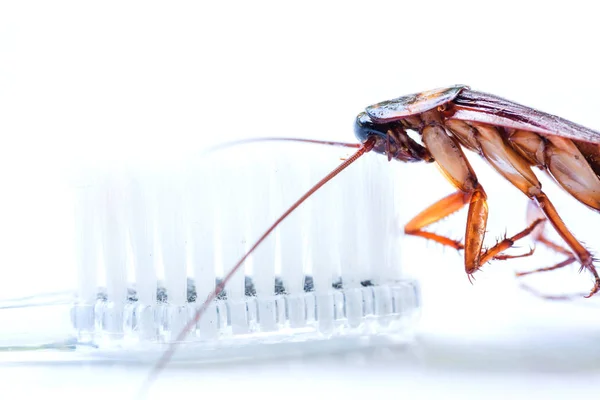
(596, 287)
(579, 251)
(561, 297)
(554, 297)
(561, 264)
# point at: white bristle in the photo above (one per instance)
(232, 216)
(86, 241)
(383, 225)
(383, 232)
(325, 211)
(114, 241)
(202, 220)
(352, 232)
(141, 223)
(324, 227)
(140, 213)
(265, 212)
(291, 185)
(171, 235)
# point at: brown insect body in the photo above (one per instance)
(512, 139)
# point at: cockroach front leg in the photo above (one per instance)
(449, 205)
(437, 211)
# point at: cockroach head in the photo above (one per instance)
(391, 139)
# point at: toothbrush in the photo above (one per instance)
(154, 241)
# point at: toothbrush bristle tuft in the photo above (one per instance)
(155, 240)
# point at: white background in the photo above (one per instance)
(122, 80)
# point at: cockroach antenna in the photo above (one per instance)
(236, 143)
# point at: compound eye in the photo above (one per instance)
(365, 128)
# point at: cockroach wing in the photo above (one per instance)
(470, 105)
(402, 107)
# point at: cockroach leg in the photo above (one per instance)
(555, 297)
(507, 243)
(562, 264)
(581, 253)
(517, 170)
(475, 232)
(446, 241)
(534, 211)
(454, 165)
(511, 256)
(539, 234)
(551, 245)
(452, 162)
(437, 211)
(449, 205)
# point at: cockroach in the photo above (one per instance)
(511, 137)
